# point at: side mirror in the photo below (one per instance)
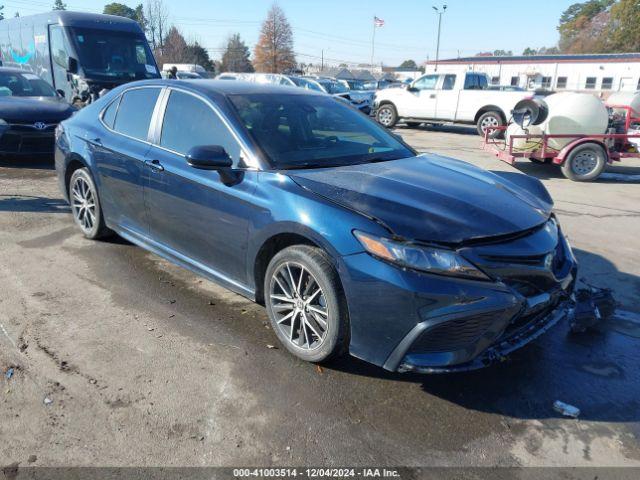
(412, 89)
(209, 157)
(72, 65)
(60, 93)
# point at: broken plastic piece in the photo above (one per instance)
(9, 373)
(566, 409)
(586, 313)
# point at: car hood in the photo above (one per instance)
(34, 109)
(434, 199)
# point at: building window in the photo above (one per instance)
(546, 82)
(516, 80)
(638, 86)
(590, 84)
(607, 83)
(562, 82)
(495, 80)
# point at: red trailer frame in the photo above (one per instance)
(506, 152)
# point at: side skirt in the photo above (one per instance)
(185, 262)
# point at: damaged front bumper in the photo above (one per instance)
(498, 352)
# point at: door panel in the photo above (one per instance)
(59, 60)
(424, 104)
(192, 212)
(119, 156)
(447, 103)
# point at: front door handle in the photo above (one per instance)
(433, 95)
(154, 165)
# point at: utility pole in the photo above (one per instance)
(439, 12)
(373, 41)
(322, 61)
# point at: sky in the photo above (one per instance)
(343, 28)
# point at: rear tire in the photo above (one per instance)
(490, 119)
(387, 115)
(585, 162)
(306, 304)
(85, 205)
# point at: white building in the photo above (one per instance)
(596, 73)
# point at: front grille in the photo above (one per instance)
(453, 335)
(18, 142)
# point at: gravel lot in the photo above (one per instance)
(143, 363)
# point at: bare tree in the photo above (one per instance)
(157, 18)
(274, 50)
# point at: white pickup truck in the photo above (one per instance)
(447, 97)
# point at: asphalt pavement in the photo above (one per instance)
(120, 358)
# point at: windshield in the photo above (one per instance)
(360, 85)
(24, 85)
(306, 131)
(304, 83)
(110, 55)
(332, 87)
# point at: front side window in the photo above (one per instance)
(305, 131)
(113, 55)
(427, 82)
(189, 122)
(590, 83)
(24, 85)
(59, 49)
(135, 111)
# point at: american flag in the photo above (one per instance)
(378, 22)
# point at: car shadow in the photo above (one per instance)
(35, 163)
(32, 204)
(612, 174)
(445, 128)
(595, 371)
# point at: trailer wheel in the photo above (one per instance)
(585, 162)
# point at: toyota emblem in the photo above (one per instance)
(40, 125)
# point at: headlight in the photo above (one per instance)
(425, 259)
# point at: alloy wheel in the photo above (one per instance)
(489, 122)
(299, 306)
(385, 116)
(83, 204)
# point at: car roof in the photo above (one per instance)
(226, 87)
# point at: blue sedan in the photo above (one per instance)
(352, 240)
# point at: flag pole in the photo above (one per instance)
(373, 40)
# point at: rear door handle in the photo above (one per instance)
(154, 165)
(433, 95)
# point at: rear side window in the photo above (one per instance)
(109, 115)
(449, 82)
(190, 122)
(134, 114)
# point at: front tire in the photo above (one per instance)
(306, 304)
(387, 115)
(487, 120)
(85, 205)
(585, 162)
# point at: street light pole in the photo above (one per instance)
(439, 13)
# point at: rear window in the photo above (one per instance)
(135, 111)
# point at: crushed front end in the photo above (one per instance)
(437, 324)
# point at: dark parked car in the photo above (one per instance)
(30, 111)
(352, 240)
